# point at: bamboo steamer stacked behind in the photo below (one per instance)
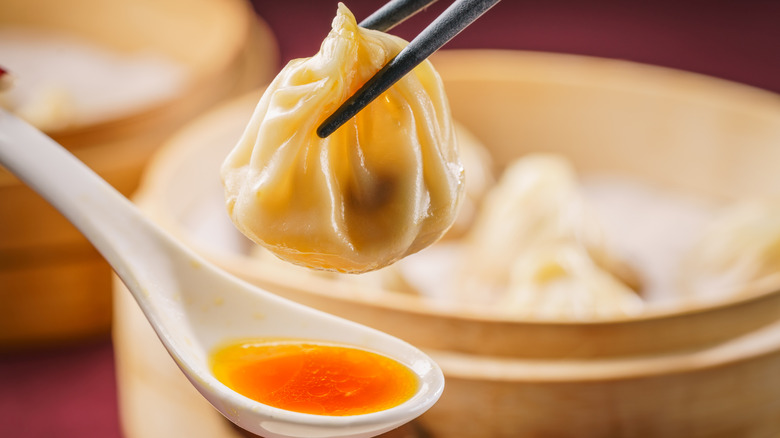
(53, 285)
(691, 370)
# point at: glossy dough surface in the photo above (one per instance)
(383, 186)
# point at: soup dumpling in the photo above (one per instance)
(562, 282)
(533, 222)
(384, 185)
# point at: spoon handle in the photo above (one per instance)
(108, 219)
(193, 305)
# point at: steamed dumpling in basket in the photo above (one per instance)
(562, 281)
(383, 186)
(536, 250)
(737, 253)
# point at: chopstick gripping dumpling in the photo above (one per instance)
(383, 186)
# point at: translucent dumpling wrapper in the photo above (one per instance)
(384, 185)
(480, 177)
(738, 252)
(535, 209)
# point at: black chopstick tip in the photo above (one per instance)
(327, 128)
(339, 117)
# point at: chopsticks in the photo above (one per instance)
(394, 13)
(451, 22)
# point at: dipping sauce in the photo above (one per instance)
(320, 379)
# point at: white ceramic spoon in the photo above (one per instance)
(192, 305)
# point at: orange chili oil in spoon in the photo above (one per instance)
(312, 378)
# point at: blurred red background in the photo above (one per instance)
(736, 40)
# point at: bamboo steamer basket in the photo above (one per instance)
(226, 51)
(693, 370)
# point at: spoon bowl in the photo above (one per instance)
(193, 306)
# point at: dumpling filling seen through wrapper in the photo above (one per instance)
(385, 185)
